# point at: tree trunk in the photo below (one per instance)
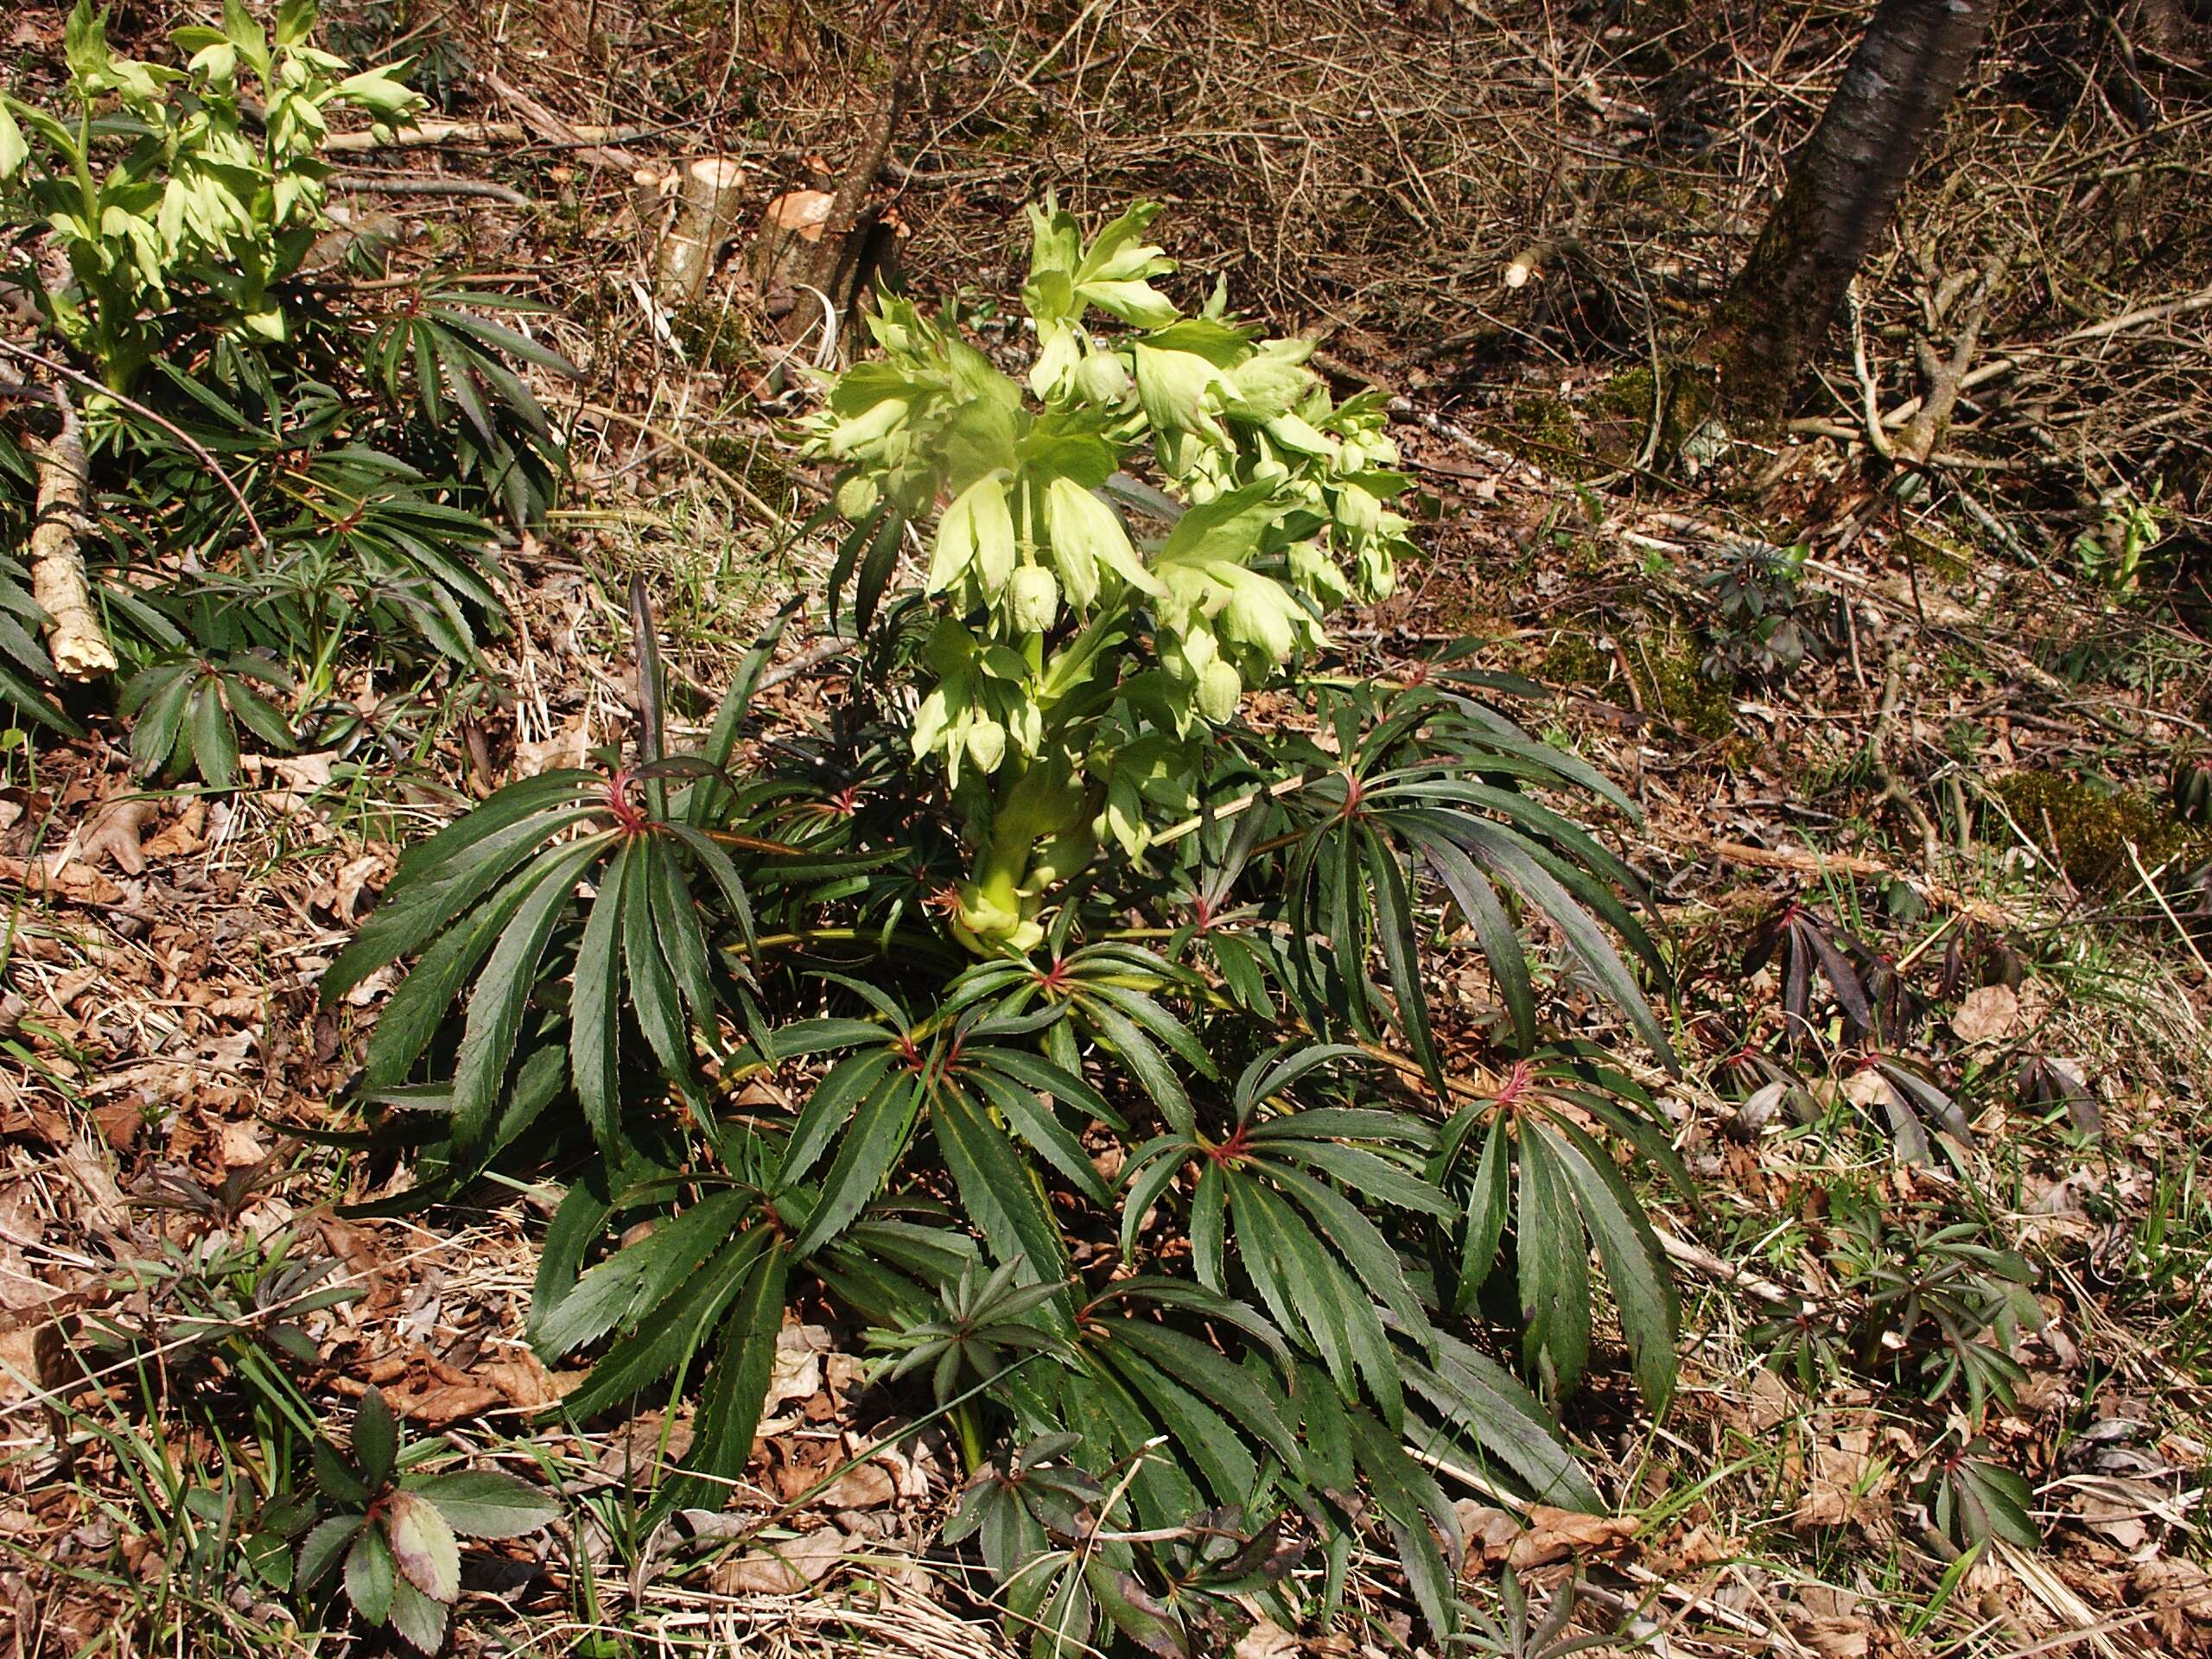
(1842, 187)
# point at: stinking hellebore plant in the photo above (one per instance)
(1080, 660)
(1156, 1159)
(195, 205)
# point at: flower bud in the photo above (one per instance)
(856, 498)
(1219, 691)
(986, 743)
(1033, 599)
(1100, 378)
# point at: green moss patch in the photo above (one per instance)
(1668, 668)
(2090, 828)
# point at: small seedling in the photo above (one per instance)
(395, 1530)
(188, 713)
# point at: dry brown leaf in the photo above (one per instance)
(796, 1372)
(1489, 1531)
(241, 1143)
(372, 987)
(1773, 1402)
(2172, 1585)
(1835, 1638)
(866, 1486)
(302, 777)
(113, 832)
(2119, 1510)
(785, 1568)
(118, 1124)
(347, 885)
(72, 881)
(1266, 1640)
(1545, 1535)
(525, 1381)
(187, 835)
(566, 747)
(1867, 1089)
(1553, 1535)
(446, 1402)
(1844, 1488)
(33, 1360)
(99, 1201)
(635, 1451)
(1988, 1015)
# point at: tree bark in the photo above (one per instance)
(1843, 186)
(842, 247)
(76, 639)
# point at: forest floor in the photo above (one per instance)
(167, 1032)
(1956, 806)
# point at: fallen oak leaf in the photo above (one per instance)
(785, 1568)
(187, 835)
(113, 833)
(73, 882)
(864, 1487)
(525, 1382)
(1988, 1015)
(1553, 1535)
(1544, 1535)
(446, 1404)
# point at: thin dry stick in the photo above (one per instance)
(1800, 863)
(198, 450)
(2159, 898)
(430, 134)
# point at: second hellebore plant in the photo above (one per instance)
(1090, 630)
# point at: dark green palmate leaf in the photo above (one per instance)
(1433, 785)
(1526, 1162)
(485, 902)
(1976, 1501)
(27, 675)
(189, 712)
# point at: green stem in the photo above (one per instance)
(971, 1438)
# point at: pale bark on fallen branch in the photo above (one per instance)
(420, 184)
(430, 134)
(1943, 377)
(76, 639)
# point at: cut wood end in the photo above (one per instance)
(801, 213)
(717, 172)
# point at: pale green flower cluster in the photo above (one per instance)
(202, 197)
(1076, 633)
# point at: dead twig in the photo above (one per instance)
(199, 451)
(427, 184)
(1808, 863)
(433, 134)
